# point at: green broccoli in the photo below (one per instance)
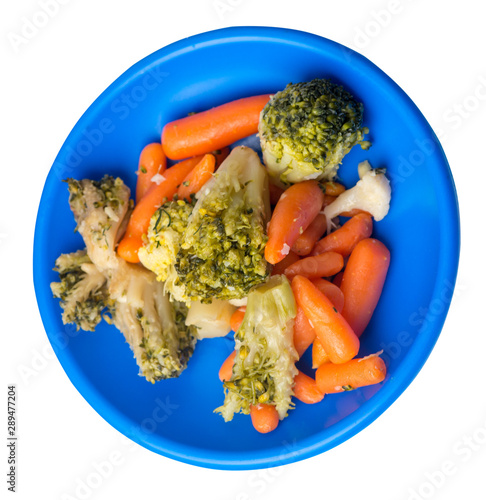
(82, 290)
(306, 130)
(162, 244)
(222, 249)
(264, 367)
(101, 210)
(97, 278)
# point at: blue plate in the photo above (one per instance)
(175, 418)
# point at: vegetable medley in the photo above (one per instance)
(278, 252)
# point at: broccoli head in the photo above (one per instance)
(101, 210)
(264, 367)
(221, 253)
(162, 244)
(82, 290)
(306, 130)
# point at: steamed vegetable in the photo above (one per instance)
(264, 368)
(372, 194)
(151, 166)
(101, 209)
(211, 320)
(221, 251)
(294, 212)
(306, 130)
(215, 128)
(82, 290)
(162, 244)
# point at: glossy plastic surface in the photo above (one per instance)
(175, 418)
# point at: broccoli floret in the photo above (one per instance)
(153, 326)
(222, 249)
(162, 243)
(97, 278)
(101, 210)
(306, 130)
(264, 367)
(82, 290)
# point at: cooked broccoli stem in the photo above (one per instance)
(101, 210)
(82, 290)
(222, 249)
(306, 130)
(264, 367)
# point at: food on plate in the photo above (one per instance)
(82, 290)
(264, 366)
(294, 212)
(372, 194)
(201, 133)
(221, 252)
(306, 130)
(202, 253)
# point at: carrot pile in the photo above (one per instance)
(336, 279)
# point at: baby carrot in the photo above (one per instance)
(333, 331)
(306, 390)
(152, 161)
(363, 282)
(213, 129)
(279, 267)
(197, 177)
(237, 318)
(331, 291)
(351, 375)
(153, 199)
(353, 212)
(226, 370)
(295, 210)
(344, 239)
(305, 242)
(319, 356)
(264, 417)
(333, 188)
(319, 266)
(304, 334)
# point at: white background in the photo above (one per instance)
(436, 54)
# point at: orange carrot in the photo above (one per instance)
(333, 188)
(363, 282)
(226, 370)
(213, 129)
(333, 331)
(153, 199)
(304, 334)
(279, 267)
(305, 242)
(328, 200)
(331, 291)
(237, 318)
(275, 193)
(353, 212)
(221, 155)
(152, 161)
(197, 177)
(306, 390)
(319, 266)
(264, 417)
(319, 355)
(294, 212)
(337, 280)
(351, 375)
(344, 239)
